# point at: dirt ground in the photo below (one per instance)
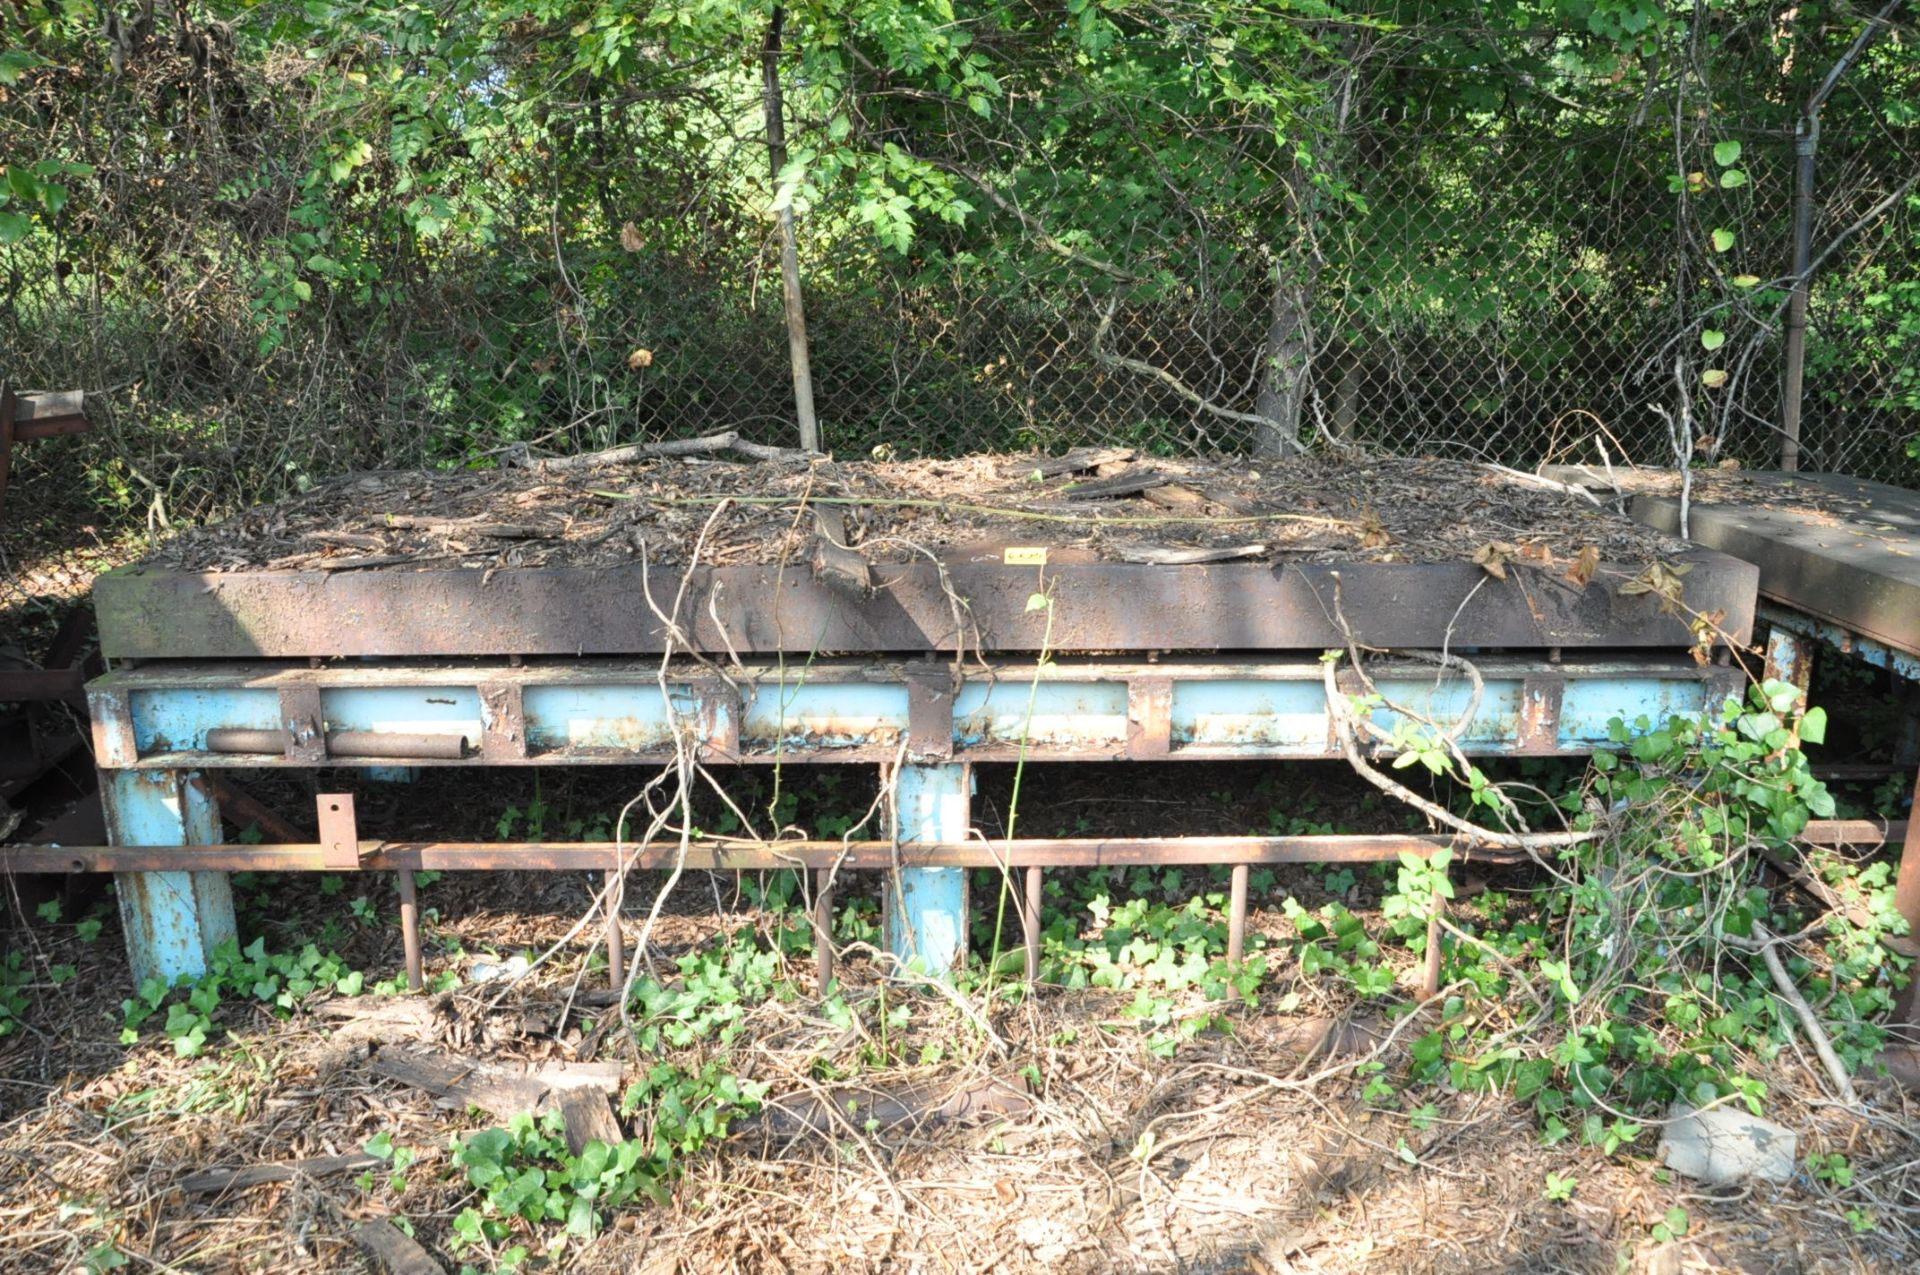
(1242, 1153)
(1309, 509)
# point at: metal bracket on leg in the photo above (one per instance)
(1789, 659)
(339, 833)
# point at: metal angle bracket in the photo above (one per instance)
(339, 831)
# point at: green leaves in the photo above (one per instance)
(15, 63)
(1722, 239)
(1726, 153)
(1711, 340)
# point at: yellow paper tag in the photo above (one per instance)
(1031, 556)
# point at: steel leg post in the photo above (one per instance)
(823, 928)
(174, 920)
(1789, 659)
(1035, 896)
(616, 938)
(1236, 925)
(926, 913)
(1906, 901)
(1430, 972)
(410, 929)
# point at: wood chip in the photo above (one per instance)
(589, 1116)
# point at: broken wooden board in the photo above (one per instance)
(458, 1082)
(1123, 484)
(385, 1021)
(589, 1118)
(1187, 557)
(391, 1251)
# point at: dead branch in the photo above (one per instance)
(1350, 748)
(1767, 946)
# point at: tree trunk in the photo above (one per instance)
(1286, 360)
(797, 351)
(1346, 399)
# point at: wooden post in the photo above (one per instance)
(797, 350)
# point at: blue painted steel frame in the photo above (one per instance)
(151, 728)
(1274, 710)
(1901, 663)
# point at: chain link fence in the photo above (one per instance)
(1531, 293)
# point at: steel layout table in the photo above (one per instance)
(935, 668)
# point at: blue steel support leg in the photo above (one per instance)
(926, 909)
(1789, 658)
(173, 920)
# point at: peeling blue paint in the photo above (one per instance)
(1589, 705)
(180, 720)
(1065, 714)
(823, 715)
(1901, 663)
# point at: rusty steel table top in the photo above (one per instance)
(1840, 549)
(964, 603)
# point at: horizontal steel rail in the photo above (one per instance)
(752, 856)
(821, 859)
(615, 712)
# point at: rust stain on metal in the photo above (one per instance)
(1149, 718)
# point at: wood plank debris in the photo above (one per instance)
(828, 1111)
(1125, 484)
(458, 1082)
(1074, 462)
(1155, 555)
(589, 1118)
(392, 1251)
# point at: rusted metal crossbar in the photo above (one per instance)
(341, 849)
